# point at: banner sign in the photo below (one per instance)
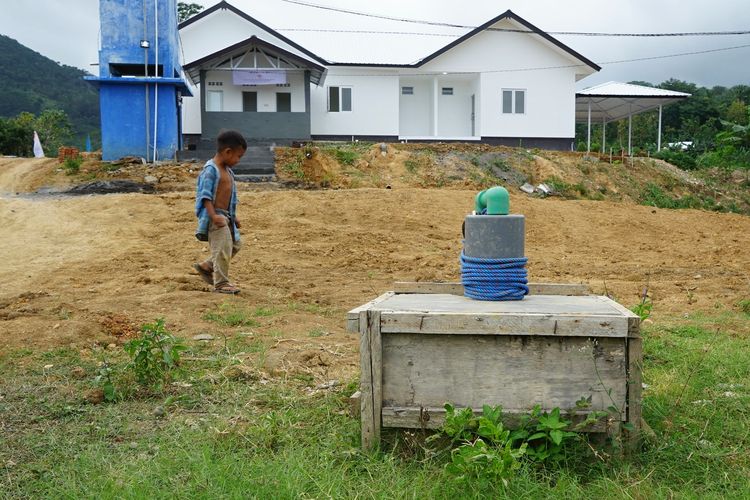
(258, 77)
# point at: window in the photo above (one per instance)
(250, 102)
(514, 101)
(447, 90)
(283, 102)
(407, 90)
(214, 100)
(339, 99)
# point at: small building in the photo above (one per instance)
(140, 79)
(505, 82)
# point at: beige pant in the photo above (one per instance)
(222, 250)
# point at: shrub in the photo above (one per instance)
(682, 159)
(72, 165)
(154, 355)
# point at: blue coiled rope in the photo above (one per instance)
(494, 279)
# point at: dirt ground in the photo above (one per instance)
(83, 270)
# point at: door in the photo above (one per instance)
(250, 102)
(283, 102)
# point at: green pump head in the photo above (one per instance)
(495, 199)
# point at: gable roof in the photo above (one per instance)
(223, 5)
(508, 14)
(193, 68)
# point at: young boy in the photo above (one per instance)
(216, 208)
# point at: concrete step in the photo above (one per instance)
(255, 170)
(255, 178)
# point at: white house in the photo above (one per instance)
(505, 82)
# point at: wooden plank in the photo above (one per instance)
(556, 325)
(545, 304)
(367, 416)
(352, 317)
(428, 287)
(434, 418)
(515, 372)
(634, 321)
(354, 401)
(635, 389)
(376, 353)
(458, 288)
(540, 304)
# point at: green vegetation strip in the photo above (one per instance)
(215, 432)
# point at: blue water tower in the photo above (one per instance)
(140, 79)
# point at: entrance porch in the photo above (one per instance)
(257, 88)
(439, 107)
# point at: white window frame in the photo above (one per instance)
(219, 93)
(446, 91)
(341, 98)
(513, 101)
(407, 90)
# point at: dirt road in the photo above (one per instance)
(76, 269)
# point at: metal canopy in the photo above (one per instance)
(614, 101)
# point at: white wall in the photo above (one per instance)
(221, 29)
(415, 111)
(549, 103)
(266, 93)
(374, 103)
(498, 56)
(454, 111)
(191, 111)
(216, 32)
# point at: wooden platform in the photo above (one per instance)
(421, 350)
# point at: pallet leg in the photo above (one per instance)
(635, 388)
(371, 381)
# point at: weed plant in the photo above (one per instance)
(72, 165)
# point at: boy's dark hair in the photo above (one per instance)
(230, 139)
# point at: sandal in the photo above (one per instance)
(207, 276)
(227, 288)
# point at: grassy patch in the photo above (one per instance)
(72, 165)
(229, 314)
(213, 435)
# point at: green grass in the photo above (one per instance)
(228, 314)
(277, 439)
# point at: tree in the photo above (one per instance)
(737, 112)
(187, 10)
(54, 129)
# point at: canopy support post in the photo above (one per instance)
(588, 136)
(604, 135)
(658, 139)
(630, 133)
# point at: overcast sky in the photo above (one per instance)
(68, 31)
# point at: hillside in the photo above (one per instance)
(33, 83)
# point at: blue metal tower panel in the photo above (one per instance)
(132, 124)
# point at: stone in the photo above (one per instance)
(150, 179)
(203, 336)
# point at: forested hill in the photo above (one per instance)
(31, 82)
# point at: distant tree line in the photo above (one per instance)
(17, 134)
(716, 120)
